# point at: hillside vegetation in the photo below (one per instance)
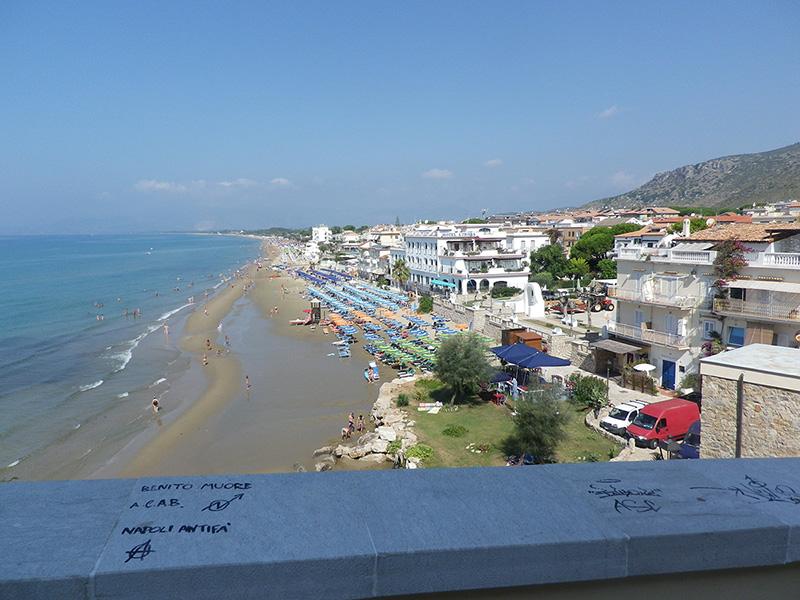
(730, 181)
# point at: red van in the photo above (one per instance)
(662, 420)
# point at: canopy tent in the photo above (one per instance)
(527, 357)
(500, 376)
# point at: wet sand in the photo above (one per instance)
(299, 400)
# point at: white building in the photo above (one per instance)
(321, 234)
(668, 307)
(461, 258)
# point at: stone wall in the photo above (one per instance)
(770, 420)
(582, 356)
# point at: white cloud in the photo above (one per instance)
(437, 174)
(153, 185)
(238, 183)
(281, 182)
(495, 162)
(621, 179)
(611, 111)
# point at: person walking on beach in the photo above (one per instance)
(227, 344)
(351, 422)
(247, 382)
(155, 405)
(361, 426)
(205, 359)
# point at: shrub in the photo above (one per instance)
(505, 292)
(393, 447)
(462, 365)
(455, 431)
(588, 391)
(402, 400)
(420, 451)
(425, 304)
(538, 425)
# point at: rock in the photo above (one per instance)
(367, 438)
(379, 446)
(410, 437)
(411, 465)
(299, 468)
(340, 451)
(323, 450)
(358, 451)
(322, 466)
(376, 458)
(387, 433)
(411, 423)
(399, 428)
(393, 417)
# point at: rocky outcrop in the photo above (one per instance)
(391, 425)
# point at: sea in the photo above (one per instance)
(82, 327)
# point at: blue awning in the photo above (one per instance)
(527, 357)
(442, 283)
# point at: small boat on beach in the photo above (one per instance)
(297, 322)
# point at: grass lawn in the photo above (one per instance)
(487, 426)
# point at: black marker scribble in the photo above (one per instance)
(759, 491)
(218, 505)
(633, 505)
(607, 488)
(139, 552)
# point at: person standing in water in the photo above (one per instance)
(247, 382)
(155, 405)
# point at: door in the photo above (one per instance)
(668, 374)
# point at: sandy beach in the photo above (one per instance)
(299, 398)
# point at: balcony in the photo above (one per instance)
(694, 257)
(650, 336)
(761, 311)
(683, 302)
(784, 260)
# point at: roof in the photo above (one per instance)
(773, 286)
(762, 358)
(746, 232)
(643, 231)
(611, 221)
(615, 347)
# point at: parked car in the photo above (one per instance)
(659, 421)
(621, 416)
(690, 446)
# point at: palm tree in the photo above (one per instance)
(400, 272)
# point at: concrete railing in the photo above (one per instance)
(778, 259)
(778, 311)
(658, 299)
(651, 336)
(384, 533)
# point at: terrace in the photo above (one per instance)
(683, 302)
(765, 311)
(651, 336)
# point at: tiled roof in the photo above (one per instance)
(746, 232)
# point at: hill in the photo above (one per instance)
(730, 181)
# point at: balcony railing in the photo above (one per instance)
(789, 260)
(650, 336)
(767, 311)
(685, 302)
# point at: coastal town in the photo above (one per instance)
(643, 321)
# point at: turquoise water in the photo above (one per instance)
(60, 365)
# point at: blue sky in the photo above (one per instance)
(153, 116)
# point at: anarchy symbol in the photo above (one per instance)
(139, 552)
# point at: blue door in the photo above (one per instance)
(668, 374)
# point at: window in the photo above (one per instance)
(736, 336)
(738, 293)
(671, 324)
(638, 318)
(709, 329)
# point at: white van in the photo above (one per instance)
(621, 416)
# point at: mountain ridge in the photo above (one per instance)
(728, 181)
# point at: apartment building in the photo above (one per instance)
(666, 304)
(464, 258)
(321, 234)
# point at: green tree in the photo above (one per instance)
(425, 304)
(549, 258)
(695, 224)
(349, 228)
(607, 268)
(336, 229)
(588, 391)
(400, 272)
(538, 424)
(594, 245)
(578, 266)
(461, 364)
(475, 221)
(544, 279)
(554, 235)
